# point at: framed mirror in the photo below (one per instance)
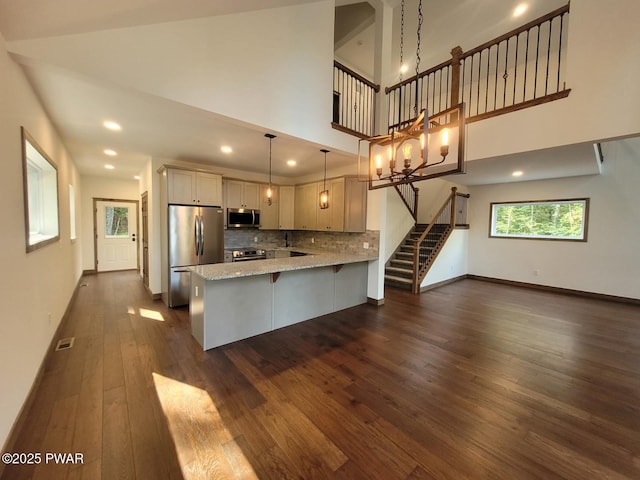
(41, 212)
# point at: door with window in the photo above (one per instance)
(116, 235)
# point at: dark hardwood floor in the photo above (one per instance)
(471, 380)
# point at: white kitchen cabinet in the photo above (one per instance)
(269, 214)
(286, 207)
(355, 205)
(242, 194)
(306, 206)
(189, 187)
(347, 210)
(331, 219)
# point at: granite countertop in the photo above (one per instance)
(313, 259)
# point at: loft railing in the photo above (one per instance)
(426, 248)
(519, 69)
(354, 102)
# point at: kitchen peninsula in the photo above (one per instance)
(233, 301)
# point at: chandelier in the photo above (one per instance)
(428, 145)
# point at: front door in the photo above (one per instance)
(116, 232)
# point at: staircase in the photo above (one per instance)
(399, 270)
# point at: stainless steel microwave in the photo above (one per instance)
(243, 218)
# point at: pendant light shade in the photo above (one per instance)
(324, 194)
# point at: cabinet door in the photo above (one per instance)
(286, 207)
(269, 213)
(332, 218)
(336, 223)
(181, 186)
(234, 194)
(355, 212)
(306, 207)
(251, 195)
(209, 189)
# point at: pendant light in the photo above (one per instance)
(270, 189)
(324, 194)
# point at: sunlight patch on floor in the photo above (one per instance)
(204, 446)
(146, 313)
(151, 314)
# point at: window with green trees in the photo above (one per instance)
(116, 222)
(552, 219)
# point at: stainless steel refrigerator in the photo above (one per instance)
(196, 237)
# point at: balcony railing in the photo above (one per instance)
(522, 68)
(354, 102)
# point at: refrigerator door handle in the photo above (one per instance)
(201, 237)
(196, 235)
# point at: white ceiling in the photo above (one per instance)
(158, 127)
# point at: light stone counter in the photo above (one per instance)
(313, 259)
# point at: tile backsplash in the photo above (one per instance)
(334, 241)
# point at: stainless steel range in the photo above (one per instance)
(246, 254)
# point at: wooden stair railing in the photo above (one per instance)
(409, 195)
(424, 253)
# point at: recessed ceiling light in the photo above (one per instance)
(226, 149)
(517, 173)
(112, 125)
(404, 68)
(136, 177)
(520, 9)
(292, 163)
(111, 153)
(109, 167)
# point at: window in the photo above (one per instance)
(551, 219)
(116, 223)
(40, 195)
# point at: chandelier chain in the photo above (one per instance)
(401, 38)
(419, 37)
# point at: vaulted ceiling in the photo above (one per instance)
(157, 126)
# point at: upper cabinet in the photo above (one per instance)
(306, 207)
(332, 218)
(242, 194)
(347, 211)
(269, 214)
(286, 207)
(355, 205)
(188, 187)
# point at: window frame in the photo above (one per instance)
(585, 219)
(45, 191)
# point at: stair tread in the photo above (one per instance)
(408, 263)
(393, 278)
(399, 269)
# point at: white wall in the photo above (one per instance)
(36, 287)
(271, 67)
(608, 263)
(452, 261)
(100, 187)
(603, 81)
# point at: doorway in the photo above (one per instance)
(116, 230)
(144, 210)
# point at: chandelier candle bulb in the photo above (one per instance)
(444, 139)
(444, 143)
(408, 150)
(379, 165)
